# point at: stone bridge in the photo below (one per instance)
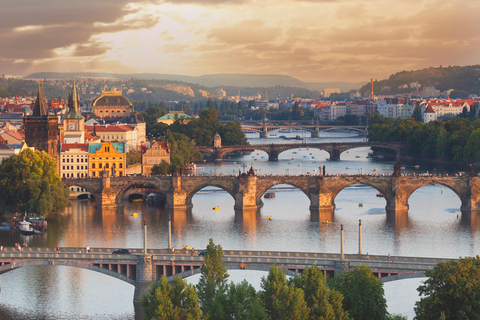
(247, 190)
(314, 129)
(142, 268)
(334, 149)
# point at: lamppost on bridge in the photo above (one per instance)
(359, 236)
(169, 232)
(145, 237)
(341, 242)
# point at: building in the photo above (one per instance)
(158, 152)
(112, 104)
(328, 91)
(13, 137)
(7, 150)
(41, 128)
(171, 116)
(429, 115)
(74, 160)
(117, 133)
(73, 121)
(106, 156)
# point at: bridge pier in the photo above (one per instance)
(273, 154)
(264, 134)
(246, 195)
(335, 153)
(316, 132)
(143, 282)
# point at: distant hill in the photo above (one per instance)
(212, 80)
(463, 80)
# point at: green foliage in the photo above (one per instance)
(171, 302)
(161, 168)
(182, 149)
(29, 182)
(134, 157)
(451, 291)
(396, 317)
(282, 300)
(322, 303)
(363, 294)
(455, 139)
(241, 302)
(213, 282)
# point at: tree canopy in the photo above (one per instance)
(451, 291)
(363, 293)
(29, 182)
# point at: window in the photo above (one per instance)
(120, 165)
(93, 165)
(64, 175)
(106, 166)
(63, 167)
(68, 160)
(93, 173)
(78, 167)
(63, 160)
(99, 166)
(78, 160)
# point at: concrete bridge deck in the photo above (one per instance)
(141, 269)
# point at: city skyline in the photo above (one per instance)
(312, 40)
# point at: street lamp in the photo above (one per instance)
(145, 237)
(169, 232)
(359, 236)
(341, 242)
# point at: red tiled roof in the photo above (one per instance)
(109, 128)
(81, 146)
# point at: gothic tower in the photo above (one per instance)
(41, 129)
(73, 121)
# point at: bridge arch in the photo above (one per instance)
(232, 266)
(354, 183)
(403, 276)
(148, 184)
(191, 193)
(267, 187)
(79, 183)
(15, 265)
(432, 183)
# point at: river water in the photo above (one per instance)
(433, 229)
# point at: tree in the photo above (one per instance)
(161, 168)
(213, 282)
(241, 303)
(363, 294)
(171, 302)
(417, 112)
(281, 300)
(29, 182)
(452, 288)
(322, 302)
(134, 157)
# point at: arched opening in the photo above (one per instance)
(303, 156)
(361, 154)
(139, 192)
(64, 292)
(80, 193)
(435, 217)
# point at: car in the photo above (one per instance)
(122, 251)
(202, 253)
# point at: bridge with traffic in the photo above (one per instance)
(247, 190)
(144, 266)
(264, 127)
(334, 149)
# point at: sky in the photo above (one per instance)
(311, 40)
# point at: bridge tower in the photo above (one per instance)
(107, 196)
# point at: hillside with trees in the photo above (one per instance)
(463, 80)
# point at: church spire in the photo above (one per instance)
(41, 107)
(73, 104)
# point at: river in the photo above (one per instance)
(432, 229)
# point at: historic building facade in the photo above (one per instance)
(41, 128)
(74, 160)
(158, 152)
(106, 156)
(112, 104)
(73, 121)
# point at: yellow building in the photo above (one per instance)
(108, 157)
(112, 104)
(157, 153)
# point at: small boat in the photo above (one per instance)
(5, 228)
(360, 204)
(327, 222)
(270, 195)
(216, 208)
(299, 165)
(417, 166)
(134, 214)
(379, 195)
(26, 228)
(186, 247)
(357, 156)
(269, 217)
(374, 170)
(137, 200)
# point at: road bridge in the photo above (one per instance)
(264, 128)
(141, 268)
(334, 149)
(247, 190)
